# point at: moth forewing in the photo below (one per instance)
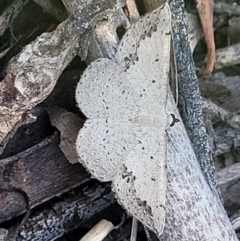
(144, 54)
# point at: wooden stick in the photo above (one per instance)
(99, 231)
(134, 229)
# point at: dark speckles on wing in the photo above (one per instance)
(154, 28)
(145, 206)
(127, 60)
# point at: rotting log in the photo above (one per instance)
(67, 214)
(42, 172)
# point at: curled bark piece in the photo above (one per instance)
(205, 11)
(68, 124)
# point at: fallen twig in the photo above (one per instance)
(227, 56)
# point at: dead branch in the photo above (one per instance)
(227, 56)
(235, 220)
(228, 174)
(33, 73)
(225, 140)
(232, 119)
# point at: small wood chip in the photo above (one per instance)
(99, 231)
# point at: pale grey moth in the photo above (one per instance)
(123, 139)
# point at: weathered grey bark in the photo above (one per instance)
(190, 105)
(225, 139)
(33, 73)
(230, 102)
(68, 32)
(191, 112)
(231, 118)
(102, 40)
(189, 94)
